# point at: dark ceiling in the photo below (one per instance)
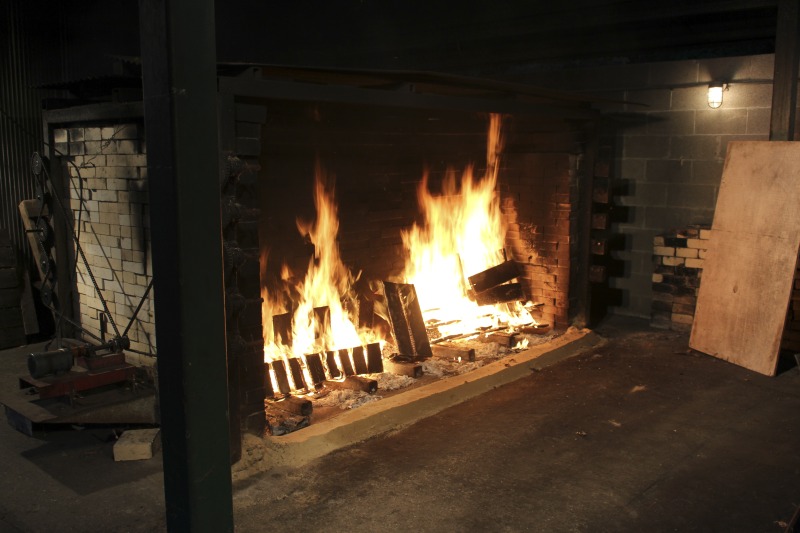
(468, 37)
(479, 37)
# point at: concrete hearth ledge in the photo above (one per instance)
(398, 411)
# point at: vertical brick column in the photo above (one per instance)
(540, 191)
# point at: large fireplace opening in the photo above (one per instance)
(393, 238)
(377, 239)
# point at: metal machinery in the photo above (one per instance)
(62, 378)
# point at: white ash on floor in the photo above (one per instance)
(485, 352)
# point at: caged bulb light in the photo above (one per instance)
(715, 91)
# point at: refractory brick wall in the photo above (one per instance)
(107, 167)
(378, 156)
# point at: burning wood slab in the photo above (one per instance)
(492, 286)
(502, 338)
(492, 277)
(508, 292)
(451, 351)
(282, 324)
(406, 320)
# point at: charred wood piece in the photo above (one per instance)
(509, 292)
(501, 338)
(451, 351)
(374, 358)
(282, 329)
(537, 329)
(292, 405)
(333, 367)
(281, 376)
(344, 359)
(296, 367)
(280, 423)
(315, 368)
(406, 319)
(358, 383)
(494, 276)
(403, 368)
(359, 361)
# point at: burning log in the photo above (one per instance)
(374, 358)
(494, 276)
(282, 325)
(448, 350)
(502, 338)
(537, 329)
(282, 328)
(358, 383)
(296, 368)
(280, 376)
(359, 362)
(333, 368)
(344, 358)
(509, 292)
(315, 368)
(406, 320)
(403, 368)
(291, 404)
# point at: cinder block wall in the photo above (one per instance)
(107, 165)
(669, 145)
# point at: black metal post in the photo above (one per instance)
(179, 74)
(784, 83)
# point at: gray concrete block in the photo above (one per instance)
(671, 122)
(758, 120)
(137, 444)
(693, 196)
(725, 121)
(669, 171)
(646, 146)
(694, 147)
(707, 172)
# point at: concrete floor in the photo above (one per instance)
(639, 435)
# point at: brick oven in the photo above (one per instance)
(376, 135)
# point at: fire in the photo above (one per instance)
(463, 234)
(319, 319)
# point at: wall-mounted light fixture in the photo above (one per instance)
(715, 91)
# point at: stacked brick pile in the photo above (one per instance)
(108, 192)
(678, 259)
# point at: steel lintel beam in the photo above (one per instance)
(180, 107)
(404, 97)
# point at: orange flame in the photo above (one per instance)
(463, 234)
(327, 284)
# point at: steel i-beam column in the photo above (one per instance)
(179, 75)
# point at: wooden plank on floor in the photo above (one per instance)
(749, 268)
